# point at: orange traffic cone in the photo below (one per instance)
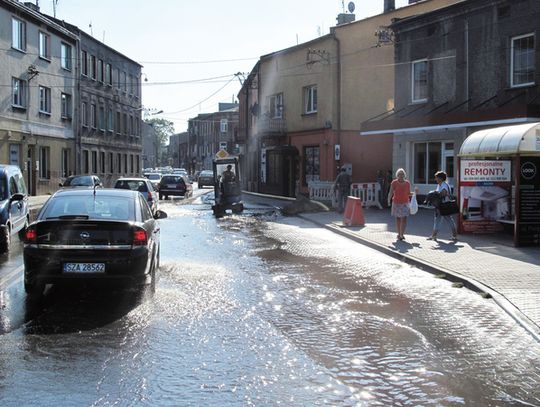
(353, 215)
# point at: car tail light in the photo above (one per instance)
(140, 238)
(30, 236)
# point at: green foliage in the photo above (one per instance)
(163, 128)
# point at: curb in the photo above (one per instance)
(471, 284)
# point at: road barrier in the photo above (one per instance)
(368, 192)
(354, 214)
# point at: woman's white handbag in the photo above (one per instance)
(413, 207)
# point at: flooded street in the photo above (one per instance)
(258, 310)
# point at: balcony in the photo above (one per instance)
(271, 126)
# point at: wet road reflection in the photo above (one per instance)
(263, 310)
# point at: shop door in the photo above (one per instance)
(448, 163)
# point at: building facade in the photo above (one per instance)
(461, 68)
(37, 99)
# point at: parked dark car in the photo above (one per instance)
(13, 205)
(206, 178)
(174, 185)
(82, 181)
(81, 235)
(142, 185)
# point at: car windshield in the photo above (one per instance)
(79, 182)
(134, 185)
(206, 174)
(88, 206)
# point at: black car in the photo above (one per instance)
(91, 234)
(82, 181)
(174, 185)
(205, 178)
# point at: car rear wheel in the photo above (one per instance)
(5, 239)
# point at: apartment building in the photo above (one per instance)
(37, 97)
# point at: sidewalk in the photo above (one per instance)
(486, 263)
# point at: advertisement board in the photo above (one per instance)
(485, 195)
(528, 231)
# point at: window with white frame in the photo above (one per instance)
(93, 116)
(65, 103)
(108, 74)
(84, 114)
(65, 56)
(18, 92)
(310, 99)
(18, 34)
(44, 46)
(522, 61)
(110, 120)
(44, 100)
(419, 80)
(100, 71)
(44, 162)
(93, 67)
(276, 106)
(430, 157)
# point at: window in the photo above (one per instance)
(102, 118)
(85, 162)
(118, 123)
(419, 80)
(431, 157)
(522, 62)
(124, 82)
(15, 154)
(125, 164)
(131, 166)
(108, 74)
(125, 123)
(138, 163)
(84, 114)
(65, 162)
(93, 67)
(102, 162)
(310, 99)
(94, 162)
(93, 116)
(312, 164)
(19, 93)
(118, 79)
(100, 71)
(111, 163)
(66, 105)
(130, 84)
(44, 46)
(110, 120)
(119, 162)
(84, 63)
(65, 56)
(44, 100)
(18, 34)
(44, 156)
(276, 106)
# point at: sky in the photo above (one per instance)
(191, 50)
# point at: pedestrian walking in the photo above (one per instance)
(398, 197)
(342, 185)
(445, 193)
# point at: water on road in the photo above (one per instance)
(263, 310)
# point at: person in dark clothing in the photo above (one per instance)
(228, 175)
(342, 185)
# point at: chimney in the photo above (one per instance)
(390, 5)
(343, 18)
(32, 6)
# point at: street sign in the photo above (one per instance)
(222, 154)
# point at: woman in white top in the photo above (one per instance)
(444, 190)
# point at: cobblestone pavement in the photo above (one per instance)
(489, 262)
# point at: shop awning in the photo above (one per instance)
(503, 141)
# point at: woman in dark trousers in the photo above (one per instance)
(444, 191)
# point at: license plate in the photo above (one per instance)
(84, 267)
(171, 186)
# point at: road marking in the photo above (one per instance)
(11, 278)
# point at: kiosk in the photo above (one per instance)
(499, 182)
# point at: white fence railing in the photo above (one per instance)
(368, 192)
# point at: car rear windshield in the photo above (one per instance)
(154, 177)
(206, 174)
(90, 207)
(134, 185)
(79, 181)
(172, 179)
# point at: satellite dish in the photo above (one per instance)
(350, 6)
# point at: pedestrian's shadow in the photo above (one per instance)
(403, 246)
(450, 247)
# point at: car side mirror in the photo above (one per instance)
(17, 197)
(60, 185)
(160, 214)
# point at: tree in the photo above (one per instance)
(163, 129)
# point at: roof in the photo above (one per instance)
(506, 140)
